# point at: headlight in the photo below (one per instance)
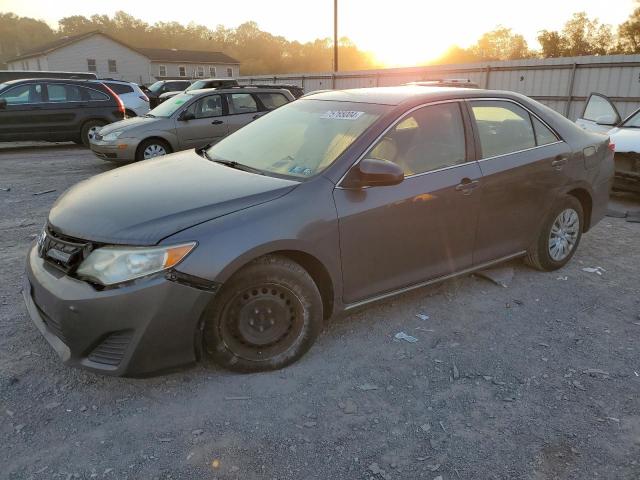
(109, 137)
(111, 265)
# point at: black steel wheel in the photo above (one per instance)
(265, 317)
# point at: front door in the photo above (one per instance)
(23, 117)
(209, 124)
(524, 165)
(423, 228)
(600, 115)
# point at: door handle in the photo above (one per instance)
(466, 186)
(217, 122)
(559, 162)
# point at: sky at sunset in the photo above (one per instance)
(398, 32)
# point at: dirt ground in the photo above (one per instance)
(538, 380)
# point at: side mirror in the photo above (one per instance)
(370, 172)
(609, 120)
(186, 115)
(3, 104)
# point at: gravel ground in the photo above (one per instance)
(539, 380)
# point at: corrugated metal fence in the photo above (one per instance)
(562, 83)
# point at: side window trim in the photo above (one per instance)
(476, 135)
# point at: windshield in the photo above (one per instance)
(197, 85)
(632, 122)
(299, 139)
(170, 106)
(156, 86)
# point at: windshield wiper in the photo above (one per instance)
(229, 163)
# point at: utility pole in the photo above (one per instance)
(335, 35)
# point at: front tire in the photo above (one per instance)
(151, 148)
(559, 237)
(265, 317)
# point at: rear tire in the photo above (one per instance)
(559, 236)
(89, 129)
(151, 148)
(265, 317)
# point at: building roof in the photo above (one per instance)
(174, 55)
(171, 55)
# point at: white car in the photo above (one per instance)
(136, 103)
(601, 115)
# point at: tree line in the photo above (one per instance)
(261, 52)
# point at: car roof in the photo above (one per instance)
(80, 81)
(405, 94)
(202, 91)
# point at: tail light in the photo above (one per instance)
(121, 108)
(144, 98)
(612, 147)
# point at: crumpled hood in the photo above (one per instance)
(128, 124)
(143, 203)
(625, 139)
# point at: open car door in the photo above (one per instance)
(600, 114)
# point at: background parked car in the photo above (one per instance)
(56, 109)
(200, 84)
(162, 86)
(136, 103)
(601, 115)
(189, 120)
(6, 75)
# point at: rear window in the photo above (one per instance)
(95, 94)
(120, 88)
(272, 100)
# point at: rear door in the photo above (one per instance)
(243, 109)
(524, 165)
(64, 107)
(599, 115)
(208, 126)
(23, 117)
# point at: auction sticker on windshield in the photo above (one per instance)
(342, 114)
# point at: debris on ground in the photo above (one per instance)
(615, 213)
(376, 470)
(596, 270)
(578, 385)
(501, 276)
(422, 316)
(237, 398)
(5, 189)
(455, 372)
(405, 337)
(348, 406)
(595, 371)
(365, 387)
(43, 192)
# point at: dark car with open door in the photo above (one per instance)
(243, 250)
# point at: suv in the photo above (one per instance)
(189, 120)
(163, 86)
(200, 84)
(136, 103)
(53, 109)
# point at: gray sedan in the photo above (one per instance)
(242, 251)
(188, 120)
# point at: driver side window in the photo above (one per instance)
(206, 107)
(427, 139)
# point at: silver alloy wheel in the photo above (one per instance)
(92, 132)
(564, 234)
(154, 150)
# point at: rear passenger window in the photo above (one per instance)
(92, 94)
(428, 139)
(503, 127)
(64, 93)
(120, 88)
(544, 136)
(242, 103)
(272, 100)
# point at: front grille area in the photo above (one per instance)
(63, 252)
(111, 350)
